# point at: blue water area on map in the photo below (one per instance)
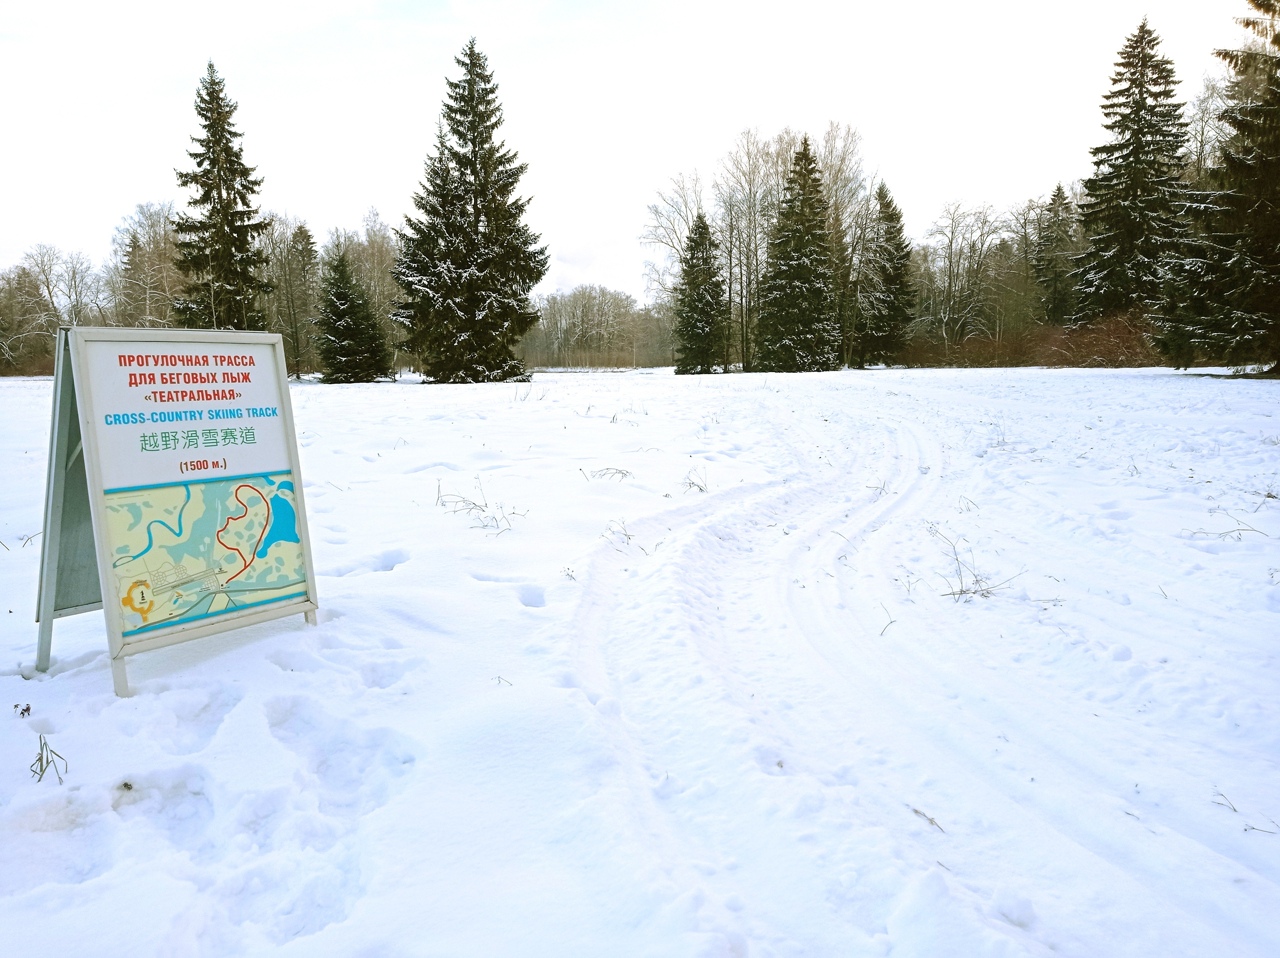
(135, 513)
(151, 541)
(284, 523)
(198, 538)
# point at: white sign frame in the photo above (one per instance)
(137, 386)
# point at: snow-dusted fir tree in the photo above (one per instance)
(1242, 322)
(1135, 198)
(353, 346)
(216, 249)
(798, 329)
(700, 303)
(431, 267)
(886, 310)
(1057, 245)
(468, 261)
(845, 287)
(298, 289)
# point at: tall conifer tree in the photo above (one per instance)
(468, 261)
(216, 248)
(298, 275)
(1131, 216)
(701, 303)
(882, 331)
(1057, 244)
(352, 343)
(844, 283)
(1248, 271)
(1225, 305)
(798, 328)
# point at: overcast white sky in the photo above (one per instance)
(981, 102)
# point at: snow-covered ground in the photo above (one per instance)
(909, 663)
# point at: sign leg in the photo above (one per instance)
(64, 403)
(119, 679)
(311, 617)
(44, 646)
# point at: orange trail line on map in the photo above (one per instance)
(230, 519)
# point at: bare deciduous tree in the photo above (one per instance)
(48, 289)
(745, 208)
(142, 280)
(840, 162)
(71, 288)
(669, 221)
(1017, 303)
(1206, 130)
(26, 318)
(293, 270)
(955, 274)
(595, 326)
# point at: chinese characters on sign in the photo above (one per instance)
(195, 438)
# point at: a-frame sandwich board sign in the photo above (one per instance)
(174, 499)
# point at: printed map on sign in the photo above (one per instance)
(185, 552)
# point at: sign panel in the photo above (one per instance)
(193, 482)
(67, 547)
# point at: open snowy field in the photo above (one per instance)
(909, 663)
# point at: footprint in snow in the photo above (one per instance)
(532, 596)
(175, 801)
(182, 721)
(352, 770)
(380, 562)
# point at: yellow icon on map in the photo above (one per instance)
(140, 598)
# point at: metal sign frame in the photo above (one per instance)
(87, 462)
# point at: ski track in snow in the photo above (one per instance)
(909, 663)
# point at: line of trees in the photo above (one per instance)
(978, 277)
(449, 294)
(223, 265)
(791, 257)
(592, 326)
(1170, 251)
(140, 285)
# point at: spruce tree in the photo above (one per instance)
(1057, 245)
(701, 304)
(1131, 215)
(882, 330)
(1246, 270)
(298, 291)
(431, 268)
(798, 329)
(131, 296)
(844, 284)
(216, 249)
(1224, 304)
(468, 261)
(353, 346)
